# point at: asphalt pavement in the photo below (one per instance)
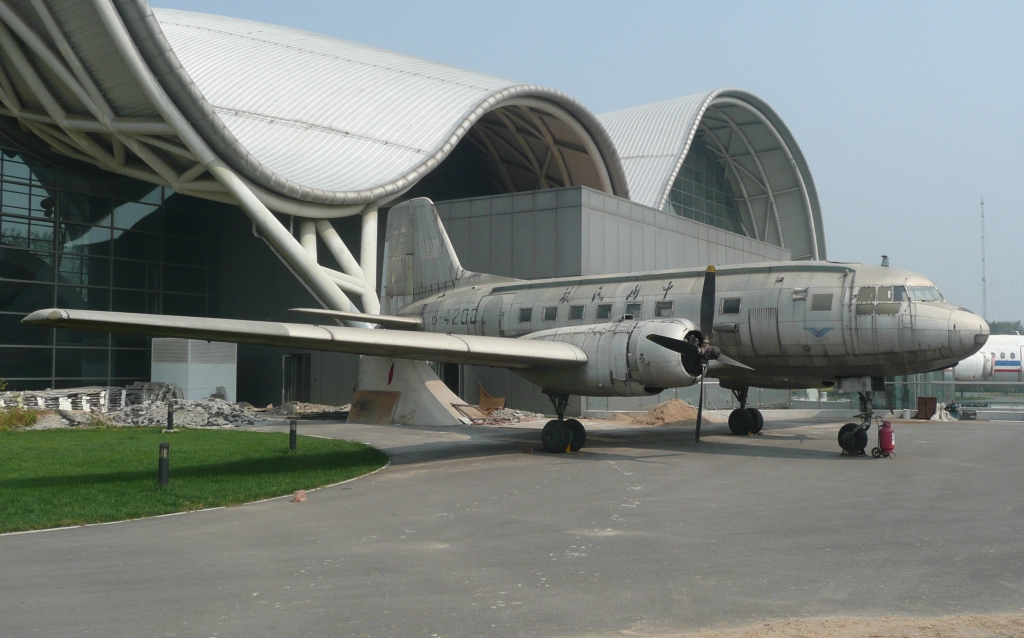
(467, 534)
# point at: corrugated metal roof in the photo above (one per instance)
(322, 119)
(652, 141)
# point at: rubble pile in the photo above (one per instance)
(671, 411)
(140, 392)
(299, 408)
(502, 416)
(98, 398)
(187, 414)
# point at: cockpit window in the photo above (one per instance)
(866, 293)
(884, 293)
(925, 293)
(899, 293)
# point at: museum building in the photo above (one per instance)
(179, 163)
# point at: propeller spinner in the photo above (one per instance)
(696, 358)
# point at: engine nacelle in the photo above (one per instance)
(977, 367)
(621, 362)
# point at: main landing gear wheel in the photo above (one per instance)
(555, 436)
(853, 439)
(741, 422)
(579, 435)
(758, 420)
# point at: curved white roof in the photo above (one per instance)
(327, 120)
(778, 201)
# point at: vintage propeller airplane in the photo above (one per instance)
(799, 324)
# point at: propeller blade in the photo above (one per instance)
(700, 408)
(733, 362)
(690, 353)
(707, 303)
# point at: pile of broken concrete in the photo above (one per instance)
(205, 413)
(501, 416)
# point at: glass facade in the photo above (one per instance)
(702, 192)
(99, 242)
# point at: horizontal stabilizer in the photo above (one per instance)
(385, 321)
(498, 352)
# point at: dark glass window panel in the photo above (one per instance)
(18, 296)
(821, 302)
(525, 314)
(730, 306)
(129, 341)
(15, 169)
(78, 383)
(81, 362)
(551, 313)
(633, 309)
(136, 301)
(66, 337)
(81, 298)
(184, 279)
(80, 239)
(130, 363)
(86, 209)
(131, 215)
(28, 265)
(185, 251)
(663, 308)
(186, 218)
(15, 333)
(138, 275)
(25, 362)
(23, 232)
(190, 305)
(21, 385)
(15, 198)
(576, 312)
(84, 270)
(604, 311)
(141, 246)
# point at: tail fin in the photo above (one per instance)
(418, 256)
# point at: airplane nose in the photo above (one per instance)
(968, 332)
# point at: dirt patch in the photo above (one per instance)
(671, 411)
(973, 626)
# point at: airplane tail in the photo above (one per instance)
(419, 260)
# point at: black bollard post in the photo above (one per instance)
(164, 469)
(292, 434)
(170, 415)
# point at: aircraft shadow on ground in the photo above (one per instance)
(667, 441)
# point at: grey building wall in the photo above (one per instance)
(577, 231)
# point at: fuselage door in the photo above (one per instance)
(489, 315)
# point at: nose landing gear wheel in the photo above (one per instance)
(555, 437)
(579, 435)
(741, 422)
(852, 439)
(758, 420)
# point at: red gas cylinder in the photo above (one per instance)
(886, 438)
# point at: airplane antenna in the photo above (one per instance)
(984, 286)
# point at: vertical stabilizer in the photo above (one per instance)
(418, 256)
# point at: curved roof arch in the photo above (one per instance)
(770, 177)
(334, 122)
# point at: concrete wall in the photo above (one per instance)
(576, 231)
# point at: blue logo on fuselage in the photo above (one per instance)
(818, 332)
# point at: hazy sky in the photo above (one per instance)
(907, 113)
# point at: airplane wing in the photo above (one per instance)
(497, 352)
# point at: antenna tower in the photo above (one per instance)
(984, 292)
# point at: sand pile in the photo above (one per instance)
(967, 626)
(671, 411)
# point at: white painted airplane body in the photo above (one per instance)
(998, 360)
(781, 325)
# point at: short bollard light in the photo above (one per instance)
(170, 415)
(293, 430)
(164, 469)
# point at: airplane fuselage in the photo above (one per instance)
(797, 324)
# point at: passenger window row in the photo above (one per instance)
(662, 309)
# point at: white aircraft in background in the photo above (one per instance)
(998, 360)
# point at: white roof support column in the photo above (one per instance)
(368, 259)
(307, 236)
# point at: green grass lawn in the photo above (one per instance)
(54, 478)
